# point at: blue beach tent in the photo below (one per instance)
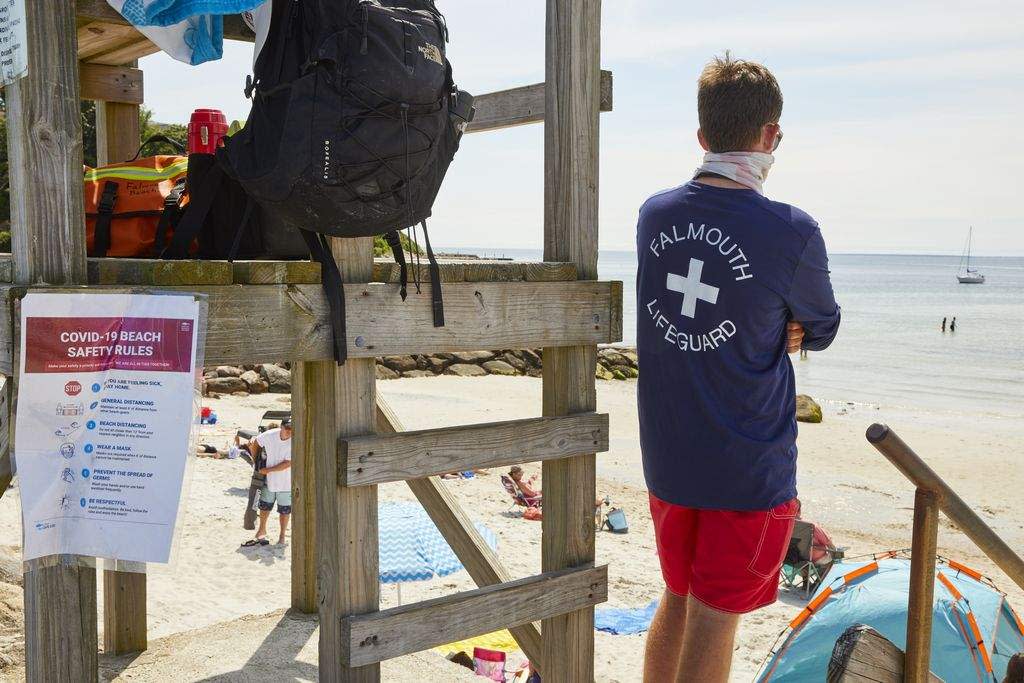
(974, 629)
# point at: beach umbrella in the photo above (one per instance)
(974, 629)
(412, 548)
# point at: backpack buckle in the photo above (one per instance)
(108, 198)
(250, 85)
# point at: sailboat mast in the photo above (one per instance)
(970, 234)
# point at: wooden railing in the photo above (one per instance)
(933, 494)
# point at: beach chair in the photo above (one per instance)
(518, 499)
(269, 416)
(799, 566)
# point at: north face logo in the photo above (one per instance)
(433, 53)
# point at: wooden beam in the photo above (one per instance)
(863, 655)
(124, 612)
(308, 387)
(276, 272)
(403, 630)
(571, 170)
(346, 517)
(523, 105)
(100, 11)
(265, 323)
(124, 592)
(462, 536)
(6, 421)
(889, 444)
(386, 270)
(154, 272)
(921, 603)
(44, 147)
(111, 84)
(96, 38)
(414, 455)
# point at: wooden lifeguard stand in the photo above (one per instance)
(346, 440)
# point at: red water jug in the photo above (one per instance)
(206, 129)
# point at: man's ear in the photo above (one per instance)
(769, 132)
(703, 142)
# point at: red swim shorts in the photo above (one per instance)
(728, 560)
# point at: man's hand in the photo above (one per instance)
(794, 336)
(264, 470)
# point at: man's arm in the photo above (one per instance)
(811, 300)
(283, 465)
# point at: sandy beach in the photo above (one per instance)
(845, 486)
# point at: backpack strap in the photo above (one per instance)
(170, 216)
(105, 212)
(159, 139)
(333, 289)
(436, 299)
(395, 242)
(200, 200)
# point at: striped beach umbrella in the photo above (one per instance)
(411, 546)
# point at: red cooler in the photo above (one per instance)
(206, 129)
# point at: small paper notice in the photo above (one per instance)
(13, 49)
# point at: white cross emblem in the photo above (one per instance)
(692, 288)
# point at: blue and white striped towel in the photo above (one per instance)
(191, 31)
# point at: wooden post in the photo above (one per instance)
(953, 506)
(48, 241)
(922, 586)
(572, 109)
(124, 592)
(346, 517)
(304, 483)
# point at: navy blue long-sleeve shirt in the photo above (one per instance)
(720, 273)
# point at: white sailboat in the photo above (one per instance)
(967, 276)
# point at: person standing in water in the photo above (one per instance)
(943, 325)
(952, 325)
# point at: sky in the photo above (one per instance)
(903, 121)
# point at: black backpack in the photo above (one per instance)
(355, 120)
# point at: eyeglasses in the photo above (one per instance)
(778, 140)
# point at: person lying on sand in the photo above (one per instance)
(728, 283)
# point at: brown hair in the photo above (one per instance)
(735, 98)
(1015, 670)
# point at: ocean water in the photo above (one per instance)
(890, 351)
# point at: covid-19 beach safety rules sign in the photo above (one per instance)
(107, 406)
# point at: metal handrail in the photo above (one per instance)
(934, 494)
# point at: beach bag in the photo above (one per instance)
(355, 120)
(615, 521)
(132, 208)
(533, 514)
(489, 663)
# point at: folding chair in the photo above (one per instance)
(518, 499)
(798, 565)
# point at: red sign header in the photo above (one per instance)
(97, 344)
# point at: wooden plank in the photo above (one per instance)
(124, 612)
(96, 37)
(44, 149)
(412, 628)
(920, 605)
(414, 455)
(129, 53)
(462, 536)
(303, 540)
(519, 106)
(124, 592)
(889, 444)
(100, 11)
(269, 323)
(276, 272)
(6, 268)
(6, 415)
(571, 171)
(154, 272)
(346, 517)
(386, 270)
(111, 83)
(863, 655)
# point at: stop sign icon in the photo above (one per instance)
(72, 388)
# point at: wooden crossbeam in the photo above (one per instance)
(375, 637)
(386, 270)
(523, 105)
(110, 83)
(101, 11)
(152, 272)
(377, 459)
(257, 324)
(462, 536)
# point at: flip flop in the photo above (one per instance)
(254, 542)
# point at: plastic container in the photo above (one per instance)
(206, 130)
